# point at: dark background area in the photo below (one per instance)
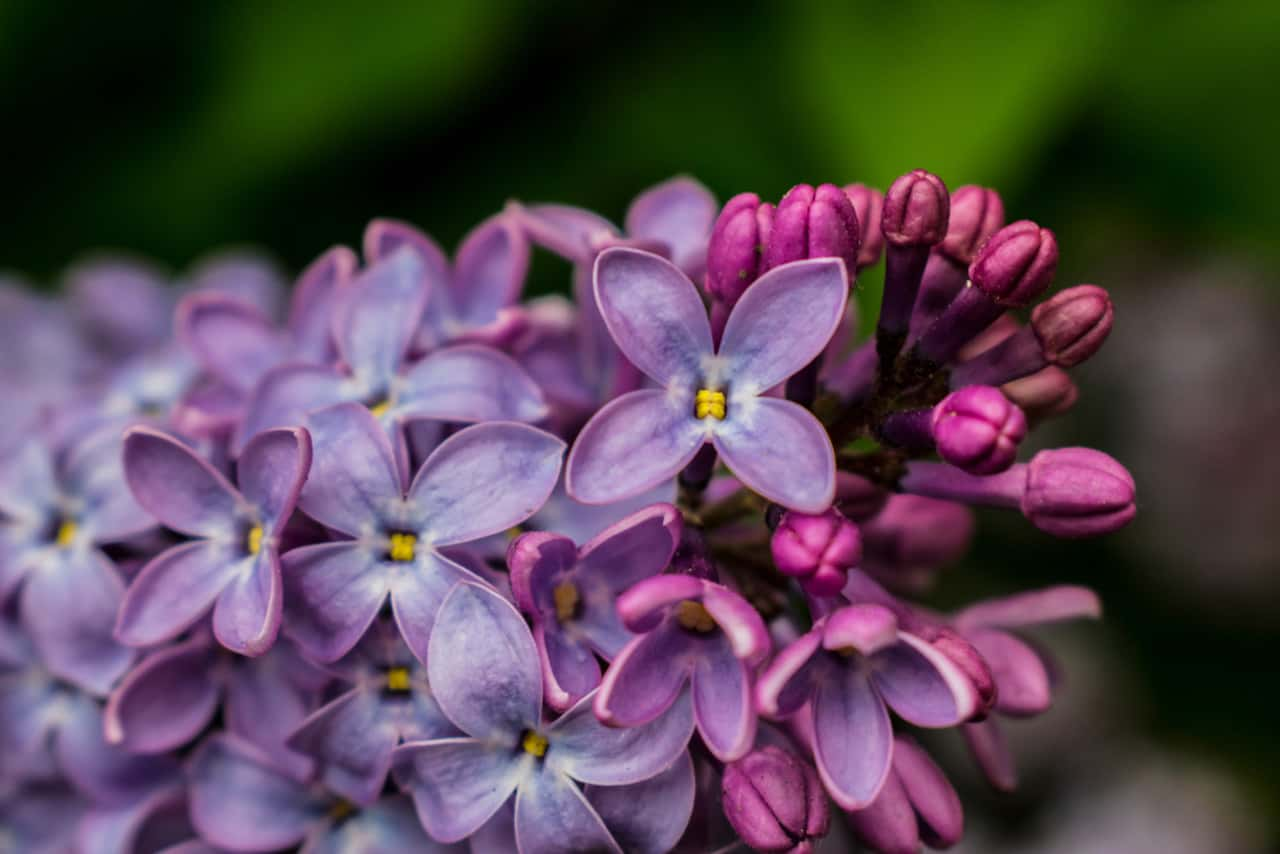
(1145, 134)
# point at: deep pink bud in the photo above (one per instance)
(916, 210)
(775, 801)
(1078, 492)
(1048, 392)
(813, 223)
(1072, 324)
(819, 549)
(977, 429)
(914, 532)
(867, 204)
(1016, 263)
(737, 244)
(966, 657)
(976, 214)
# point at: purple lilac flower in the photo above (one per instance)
(775, 447)
(484, 479)
(483, 667)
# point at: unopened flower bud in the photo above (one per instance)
(1072, 324)
(913, 532)
(819, 549)
(1044, 394)
(867, 204)
(1016, 263)
(736, 249)
(858, 498)
(976, 214)
(813, 223)
(966, 657)
(775, 801)
(978, 429)
(916, 210)
(1077, 492)
(917, 804)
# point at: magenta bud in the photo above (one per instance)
(976, 214)
(1078, 492)
(1072, 324)
(819, 549)
(978, 430)
(811, 223)
(1016, 263)
(867, 204)
(775, 801)
(915, 532)
(966, 657)
(736, 249)
(916, 210)
(1048, 392)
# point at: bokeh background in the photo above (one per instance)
(1145, 134)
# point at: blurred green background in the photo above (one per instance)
(1145, 134)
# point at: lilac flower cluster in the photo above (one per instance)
(415, 566)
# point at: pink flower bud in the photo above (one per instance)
(1016, 263)
(818, 549)
(1072, 324)
(977, 429)
(775, 801)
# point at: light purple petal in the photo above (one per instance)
(631, 445)
(853, 739)
(648, 817)
(267, 697)
(552, 816)
(148, 824)
(778, 449)
(239, 801)
(590, 752)
(1023, 685)
(654, 314)
(386, 827)
(634, 548)
(722, 700)
(482, 665)
(458, 783)
(177, 486)
(888, 823)
(788, 682)
(354, 482)
(866, 627)
(93, 472)
(247, 276)
(990, 750)
(679, 213)
(569, 667)
(28, 484)
(417, 594)
(332, 593)
(165, 701)
(1035, 607)
(484, 479)
(932, 796)
(230, 338)
(469, 383)
(384, 236)
(498, 834)
(30, 709)
(271, 472)
(646, 677)
(174, 590)
(375, 321)
(572, 233)
(352, 737)
(490, 270)
(246, 618)
(314, 296)
(105, 773)
(739, 622)
(783, 322)
(922, 685)
(286, 395)
(581, 522)
(646, 603)
(69, 609)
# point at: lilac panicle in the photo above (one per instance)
(775, 802)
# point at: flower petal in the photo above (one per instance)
(246, 617)
(468, 383)
(93, 472)
(314, 296)
(552, 816)
(490, 270)
(165, 701)
(286, 395)
(333, 592)
(1023, 685)
(722, 700)
(267, 697)
(417, 594)
(271, 472)
(783, 322)
(352, 737)
(458, 783)
(932, 797)
(567, 231)
(590, 752)
(105, 773)
(922, 685)
(1035, 607)
(354, 482)
(788, 682)
(383, 237)
(648, 817)
(28, 484)
(569, 667)
(482, 665)
(484, 479)
(174, 590)
(177, 486)
(230, 338)
(679, 213)
(779, 450)
(375, 320)
(634, 548)
(991, 751)
(631, 445)
(646, 677)
(654, 314)
(888, 823)
(389, 825)
(853, 739)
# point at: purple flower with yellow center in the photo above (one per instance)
(484, 479)
(689, 630)
(388, 701)
(483, 667)
(569, 593)
(233, 564)
(776, 447)
(54, 516)
(374, 324)
(852, 667)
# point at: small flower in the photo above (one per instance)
(775, 802)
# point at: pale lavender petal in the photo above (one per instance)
(646, 677)
(383, 237)
(788, 682)
(1023, 685)
(230, 338)
(922, 685)
(177, 486)
(418, 593)
(679, 213)
(498, 834)
(332, 593)
(590, 752)
(174, 590)
(314, 296)
(286, 395)
(990, 750)
(780, 450)
(581, 522)
(267, 697)
(569, 667)
(354, 482)
(93, 472)
(722, 700)
(552, 816)
(783, 322)
(458, 783)
(105, 773)
(388, 826)
(648, 817)
(165, 701)
(246, 618)
(888, 823)
(932, 796)
(1035, 607)
(853, 739)
(271, 472)
(636, 547)
(17, 558)
(468, 383)
(30, 710)
(484, 479)
(490, 270)
(654, 314)
(375, 321)
(572, 233)
(645, 604)
(149, 824)
(633, 444)
(28, 484)
(247, 276)
(352, 737)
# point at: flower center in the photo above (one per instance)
(709, 403)
(398, 679)
(694, 617)
(534, 743)
(402, 546)
(66, 533)
(341, 809)
(566, 597)
(380, 409)
(253, 542)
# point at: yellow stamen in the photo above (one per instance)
(402, 547)
(380, 409)
(694, 617)
(66, 534)
(534, 743)
(398, 679)
(340, 810)
(566, 599)
(709, 403)
(514, 532)
(254, 543)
